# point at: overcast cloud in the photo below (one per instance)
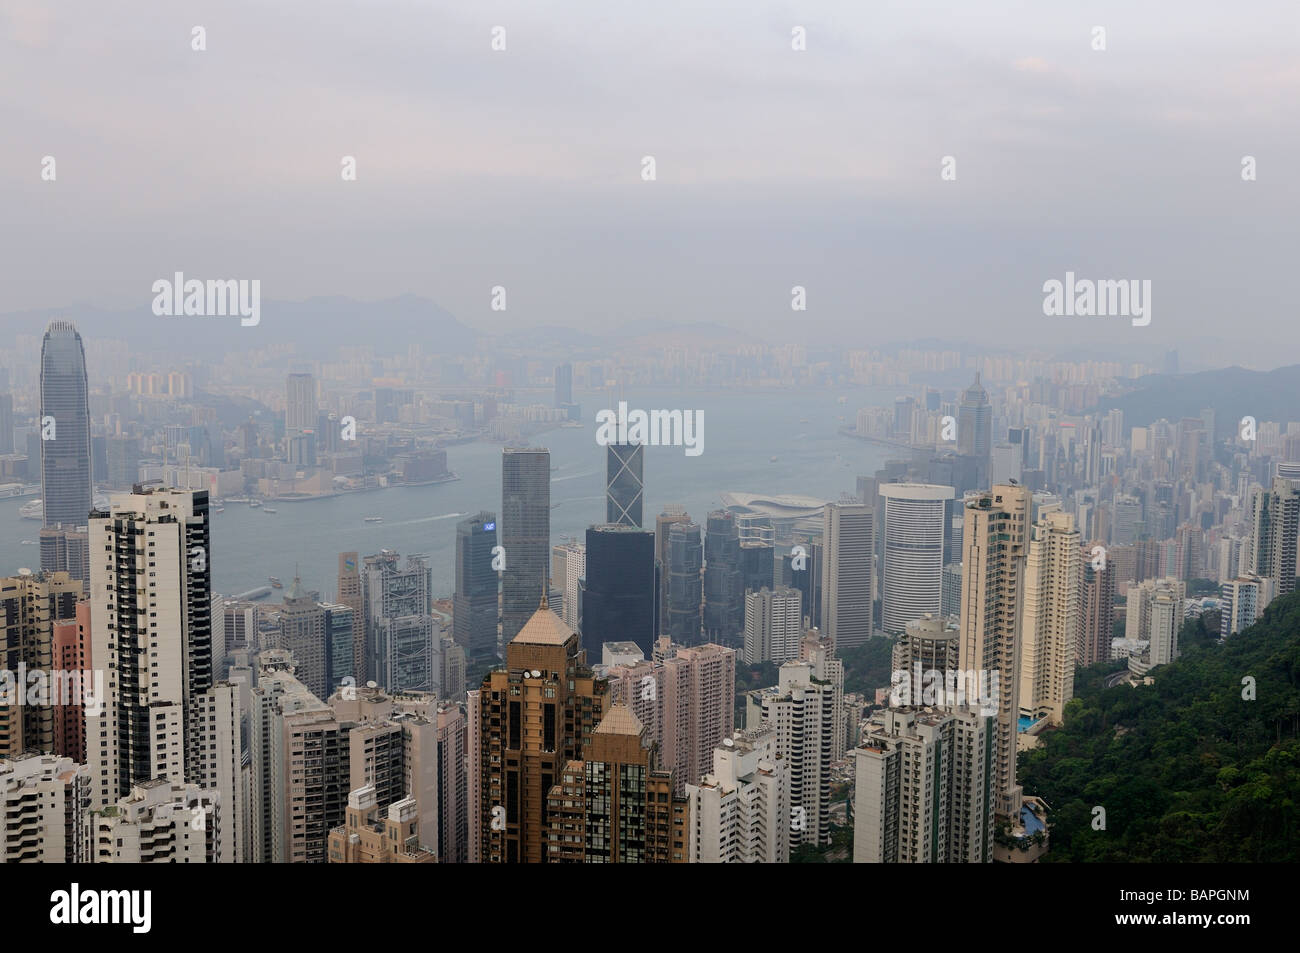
(775, 168)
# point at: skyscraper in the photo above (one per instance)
(773, 625)
(525, 534)
(757, 565)
(31, 606)
(994, 549)
(975, 429)
(164, 714)
(474, 605)
(685, 584)
(923, 790)
(568, 569)
(1276, 519)
(349, 585)
(619, 600)
(299, 404)
(72, 655)
(400, 628)
(474, 775)
(1050, 624)
(1154, 614)
(740, 812)
(724, 591)
(912, 574)
(302, 634)
(624, 483)
(673, 513)
(1126, 521)
(340, 628)
(817, 650)
(699, 694)
(801, 709)
(563, 385)
(42, 798)
(67, 549)
(534, 716)
(1243, 602)
(849, 578)
(808, 579)
(65, 427)
(929, 643)
(6, 423)
(152, 630)
(615, 805)
(299, 758)
(1097, 619)
(154, 824)
(396, 753)
(685, 697)
(453, 668)
(453, 806)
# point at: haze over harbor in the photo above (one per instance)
(745, 431)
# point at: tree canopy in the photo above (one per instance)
(1203, 765)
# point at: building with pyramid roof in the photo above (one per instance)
(616, 806)
(528, 721)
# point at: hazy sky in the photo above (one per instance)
(522, 168)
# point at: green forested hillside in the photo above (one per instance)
(1186, 769)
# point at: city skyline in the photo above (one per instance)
(357, 503)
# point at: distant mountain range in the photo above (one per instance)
(318, 326)
(1233, 393)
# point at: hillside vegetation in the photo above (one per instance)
(1187, 770)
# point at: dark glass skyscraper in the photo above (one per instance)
(757, 566)
(474, 605)
(724, 591)
(685, 585)
(525, 534)
(619, 602)
(65, 427)
(624, 483)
